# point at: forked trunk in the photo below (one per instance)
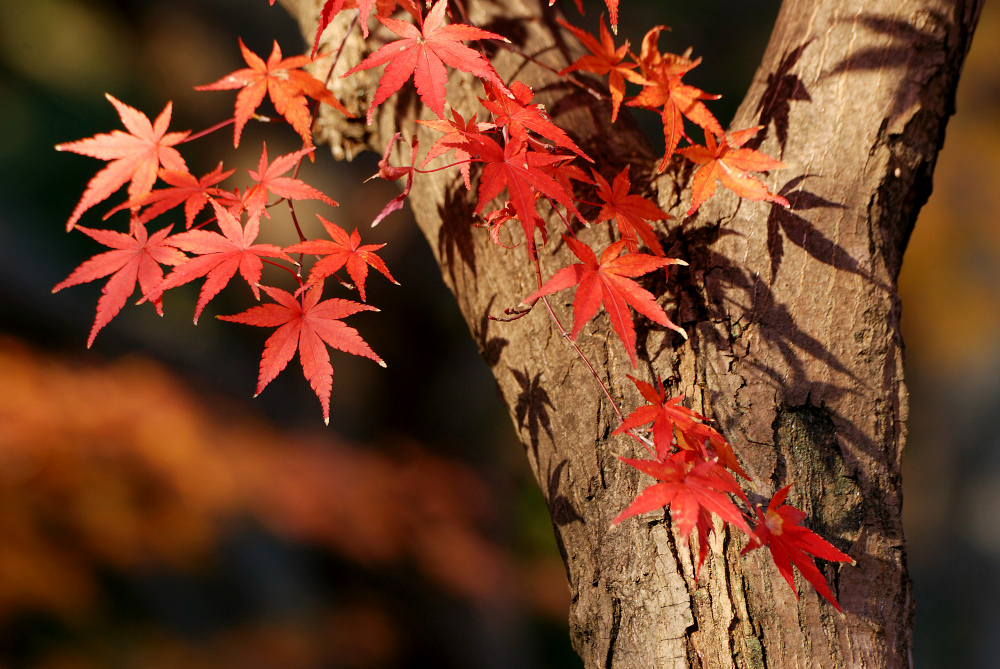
(793, 319)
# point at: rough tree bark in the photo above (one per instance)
(793, 319)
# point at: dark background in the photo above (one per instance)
(153, 515)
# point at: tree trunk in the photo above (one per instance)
(793, 320)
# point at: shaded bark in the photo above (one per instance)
(793, 320)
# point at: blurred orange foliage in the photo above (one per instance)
(121, 466)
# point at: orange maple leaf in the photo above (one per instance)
(723, 160)
(284, 82)
(605, 59)
(218, 257)
(184, 188)
(135, 156)
(663, 88)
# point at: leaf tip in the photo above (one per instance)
(381, 363)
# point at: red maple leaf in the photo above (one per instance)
(219, 257)
(631, 211)
(135, 156)
(517, 168)
(308, 326)
(692, 488)
(184, 189)
(423, 53)
(692, 433)
(663, 412)
(134, 257)
(725, 161)
(343, 250)
(269, 180)
(778, 528)
(607, 281)
(284, 82)
(663, 88)
(519, 116)
(604, 59)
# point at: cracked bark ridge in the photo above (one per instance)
(793, 320)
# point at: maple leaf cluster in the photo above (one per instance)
(146, 153)
(695, 466)
(527, 169)
(722, 158)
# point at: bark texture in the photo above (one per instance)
(793, 320)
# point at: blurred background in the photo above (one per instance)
(153, 515)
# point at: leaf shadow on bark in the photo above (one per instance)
(562, 513)
(491, 348)
(714, 307)
(532, 407)
(804, 234)
(910, 43)
(457, 212)
(783, 87)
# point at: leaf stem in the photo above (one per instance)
(207, 131)
(607, 393)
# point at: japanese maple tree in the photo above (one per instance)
(518, 162)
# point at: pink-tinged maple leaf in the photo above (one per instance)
(283, 80)
(342, 250)
(723, 160)
(518, 115)
(663, 88)
(269, 180)
(692, 488)
(135, 156)
(632, 212)
(517, 168)
(184, 189)
(134, 257)
(392, 173)
(423, 53)
(604, 59)
(791, 544)
(219, 257)
(608, 281)
(308, 326)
